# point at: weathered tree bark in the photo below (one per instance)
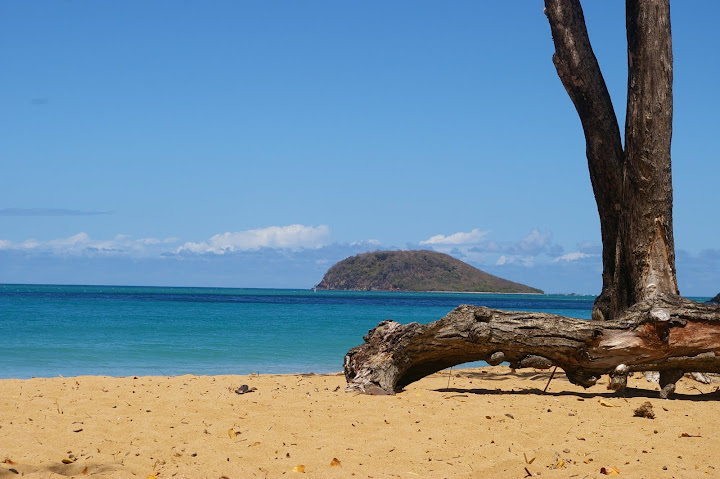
(633, 188)
(667, 334)
(580, 73)
(647, 326)
(646, 263)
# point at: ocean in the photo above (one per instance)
(133, 331)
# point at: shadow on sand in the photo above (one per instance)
(559, 381)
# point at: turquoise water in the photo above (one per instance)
(123, 331)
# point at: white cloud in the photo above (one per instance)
(82, 244)
(79, 239)
(515, 259)
(370, 242)
(474, 236)
(534, 243)
(292, 237)
(29, 244)
(590, 247)
(574, 256)
(286, 238)
(476, 248)
(152, 241)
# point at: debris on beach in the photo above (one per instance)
(645, 410)
(701, 377)
(244, 389)
(335, 462)
(610, 471)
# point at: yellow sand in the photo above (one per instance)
(488, 423)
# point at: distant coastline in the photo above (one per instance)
(443, 292)
(482, 292)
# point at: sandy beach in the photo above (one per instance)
(485, 422)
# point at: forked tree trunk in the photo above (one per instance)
(633, 188)
(647, 325)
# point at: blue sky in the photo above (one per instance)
(254, 144)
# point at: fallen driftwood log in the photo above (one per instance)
(668, 334)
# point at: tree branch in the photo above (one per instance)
(580, 73)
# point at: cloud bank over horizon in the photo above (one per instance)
(81, 244)
(298, 255)
(292, 237)
(476, 246)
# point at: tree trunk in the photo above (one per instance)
(667, 334)
(646, 260)
(633, 188)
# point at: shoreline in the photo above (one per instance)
(449, 292)
(485, 422)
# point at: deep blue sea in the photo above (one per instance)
(132, 331)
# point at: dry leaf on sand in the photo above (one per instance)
(645, 410)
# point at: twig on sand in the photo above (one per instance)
(552, 374)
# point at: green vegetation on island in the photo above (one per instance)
(416, 270)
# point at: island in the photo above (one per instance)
(414, 270)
